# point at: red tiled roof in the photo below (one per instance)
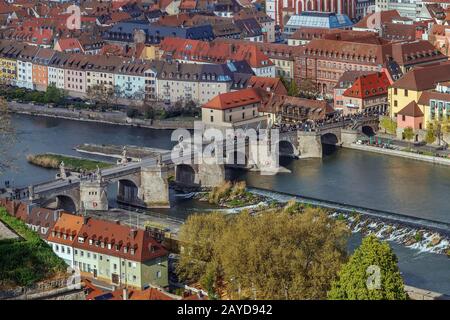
(370, 85)
(146, 247)
(426, 96)
(70, 44)
(234, 99)
(218, 51)
(424, 78)
(68, 224)
(267, 84)
(411, 110)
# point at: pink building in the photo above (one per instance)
(410, 116)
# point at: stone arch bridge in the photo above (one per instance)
(146, 183)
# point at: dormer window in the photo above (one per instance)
(102, 244)
(80, 239)
(125, 249)
(90, 242)
(109, 246)
(132, 251)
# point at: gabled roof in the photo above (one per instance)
(411, 110)
(67, 224)
(267, 84)
(424, 78)
(70, 44)
(377, 19)
(145, 247)
(426, 96)
(234, 99)
(370, 85)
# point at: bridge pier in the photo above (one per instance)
(93, 195)
(154, 190)
(309, 144)
(348, 137)
(211, 173)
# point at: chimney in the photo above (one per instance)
(85, 219)
(125, 294)
(133, 233)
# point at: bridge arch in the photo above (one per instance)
(368, 130)
(286, 148)
(62, 201)
(128, 191)
(329, 138)
(186, 174)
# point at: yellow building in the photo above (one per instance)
(8, 70)
(413, 85)
(150, 52)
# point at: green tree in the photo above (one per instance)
(277, 254)
(370, 274)
(430, 135)
(408, 133)
(198, 237)
(53, 94)
(389, 125)
(293, 89)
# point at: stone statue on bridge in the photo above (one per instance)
(98, 173)
(124, 158)
(62, 170)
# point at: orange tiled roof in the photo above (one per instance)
(234, 99)
(370, 85)
(96, 231)
(67, 224)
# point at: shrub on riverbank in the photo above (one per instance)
(53, 161)
(231, 195)
(28, 260)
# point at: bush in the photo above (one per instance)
(220, 192)
(418, 236)
(52, 161)
(132, 113)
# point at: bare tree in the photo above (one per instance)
(7, 137)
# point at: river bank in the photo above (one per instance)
(402, 154)
(116, 118)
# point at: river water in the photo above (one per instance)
(409, 187)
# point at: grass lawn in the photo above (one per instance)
(52, 161)
(27, 260)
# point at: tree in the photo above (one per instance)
(53, 94)
(7, 136)
(389, 125)
(308, 89)
(276, 254)
(198, 237)
(430, 135)
(370, 274)
(408, 133)
(293, 89)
